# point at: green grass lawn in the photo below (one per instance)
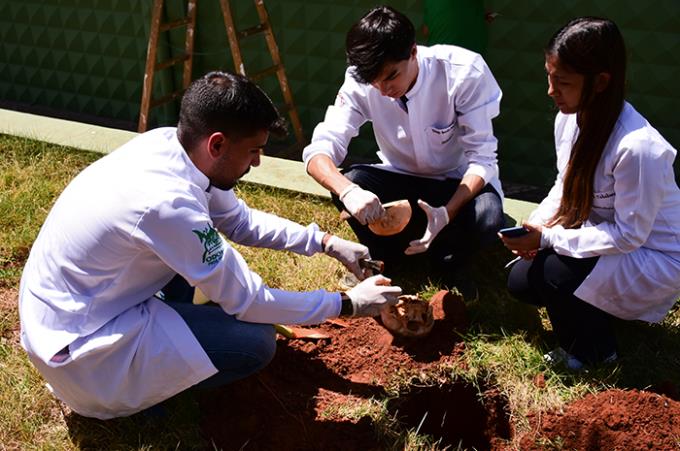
(504, 344)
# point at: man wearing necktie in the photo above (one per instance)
(431, 109)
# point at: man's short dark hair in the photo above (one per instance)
(227, 103)
(383, 35)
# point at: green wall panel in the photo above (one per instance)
(311, 38)
(516, 40)
(84, 58)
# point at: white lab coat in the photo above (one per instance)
(116, 235)
(447, 131)
(634, 225)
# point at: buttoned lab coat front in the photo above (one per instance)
(116, 235)
(634, 225)
(446, 132)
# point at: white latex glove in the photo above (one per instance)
(437, 219)
(371, 295)
(362, 204)
(348, 253)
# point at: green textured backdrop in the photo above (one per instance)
(517, 37)
(85, 60)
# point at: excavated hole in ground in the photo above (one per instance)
(458, 414)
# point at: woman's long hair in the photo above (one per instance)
(589, 46)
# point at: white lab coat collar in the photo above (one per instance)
(411, 93)
(197, 176)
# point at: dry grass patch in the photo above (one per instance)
(9, 316)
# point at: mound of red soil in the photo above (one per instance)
(611, 420)
(286, 406)
(296, 402)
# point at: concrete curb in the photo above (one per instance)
(275, 172)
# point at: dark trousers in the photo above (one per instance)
(236, 348)
(475, 225)
(549, 281)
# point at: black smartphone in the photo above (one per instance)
(513, 232)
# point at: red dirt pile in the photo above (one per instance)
(285, 406)
(293, 403)
(611, 420)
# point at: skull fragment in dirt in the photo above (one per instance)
(410, 317)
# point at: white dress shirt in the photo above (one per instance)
(634, 225)
(117, 234)
(446, 132)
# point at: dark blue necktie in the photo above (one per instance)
(404, 99)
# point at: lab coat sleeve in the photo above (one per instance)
(184, 237)
(639, 179)
(341, 123)
(251, 227)
(477, 101)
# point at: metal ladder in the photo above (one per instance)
(234, 36)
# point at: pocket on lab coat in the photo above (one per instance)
(440, 137)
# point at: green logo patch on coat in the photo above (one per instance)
(212, 244)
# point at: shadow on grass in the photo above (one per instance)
(282, 396)
(278, 407)
(174, 425)
(648, 357)
(497, 312)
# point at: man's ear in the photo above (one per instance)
(414, 50)
(602, 81)
(216, 144)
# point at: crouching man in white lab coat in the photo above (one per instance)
(154, 211)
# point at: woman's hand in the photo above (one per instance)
(527, 245)
(526, 255)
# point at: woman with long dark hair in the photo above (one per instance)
(605, 242)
